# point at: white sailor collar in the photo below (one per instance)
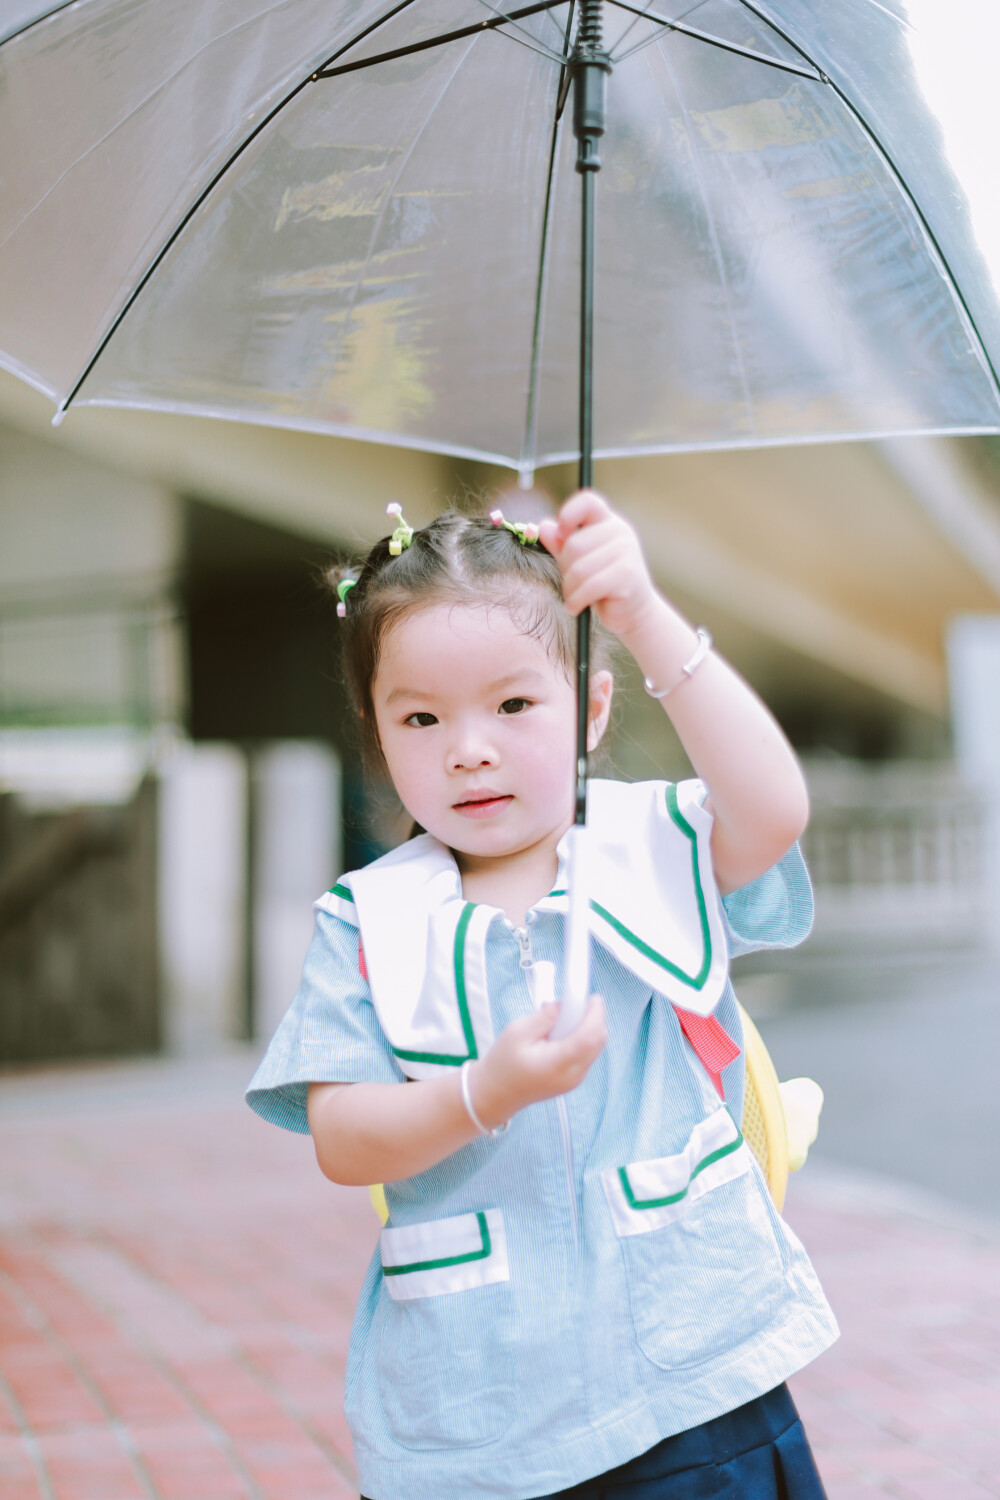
(653, 904)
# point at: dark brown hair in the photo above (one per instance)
(455, 559)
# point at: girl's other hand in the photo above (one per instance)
(602, 564)
(523, 1066)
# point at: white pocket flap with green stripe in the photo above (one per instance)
(650, 1194)
(444, 1255)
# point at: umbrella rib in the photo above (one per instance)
(442, 39)
(715, 41)
(531, 414)
(762, 15)
(186, 218)
(898, 178)
(524, 35)
(30, 25)
(620, 56)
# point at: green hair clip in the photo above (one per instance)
(343, 589)
(403, 534)
(526, 532)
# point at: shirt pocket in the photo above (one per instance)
(704, 1266)
(445, 1364)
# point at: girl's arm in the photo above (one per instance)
(382, 1132)
(757, 791)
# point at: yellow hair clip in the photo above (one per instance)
(403, 534)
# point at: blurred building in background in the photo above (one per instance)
(178, 774)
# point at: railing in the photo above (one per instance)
(97, 659)
(896, 853)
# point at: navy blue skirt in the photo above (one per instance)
(757, 1452)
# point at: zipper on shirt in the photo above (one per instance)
(524, 944)
(523, 937)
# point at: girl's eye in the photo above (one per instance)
(420, 720)
(514, 705)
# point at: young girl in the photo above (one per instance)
(583, 1287)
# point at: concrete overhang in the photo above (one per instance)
(852, 555)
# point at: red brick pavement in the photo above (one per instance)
(177, 1283)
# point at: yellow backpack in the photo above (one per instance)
(780, 1120)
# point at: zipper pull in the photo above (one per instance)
(524, 944)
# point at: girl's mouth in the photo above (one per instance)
(485, 806)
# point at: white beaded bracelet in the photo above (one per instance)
(688, 670)
(467, 1101)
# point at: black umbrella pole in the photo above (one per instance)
(586, 474)
(591, 66)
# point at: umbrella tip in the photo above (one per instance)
(526, 477)
(57, 420)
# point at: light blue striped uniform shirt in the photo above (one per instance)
(550, 1303)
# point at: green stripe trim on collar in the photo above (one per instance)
(482, 1253)
(685, 828)
(341, 891)
(448, 1060)
(634, 1202)
(696, 981)
(463, 1002)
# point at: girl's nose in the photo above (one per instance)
(471, 750)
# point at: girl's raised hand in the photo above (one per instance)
(602, 564)
(523, 1066)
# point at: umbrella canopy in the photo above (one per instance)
(228, 207)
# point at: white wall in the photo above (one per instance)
(296, 790)
(974, 680)
(202, 897)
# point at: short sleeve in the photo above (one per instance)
(330, 1033)
(773, 911)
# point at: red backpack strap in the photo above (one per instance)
(711, 1043)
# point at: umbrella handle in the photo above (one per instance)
(576, 964)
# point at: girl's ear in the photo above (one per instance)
(602, 685)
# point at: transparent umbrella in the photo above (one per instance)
(362, 217)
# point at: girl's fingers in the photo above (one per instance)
(602, 588)
(585, 508)
(584, 1043)
(582, 544)
(550, 536)
(606, 551)
(535, 1026)
(599, 558)
(525, 1066)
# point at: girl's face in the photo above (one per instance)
(477, 725)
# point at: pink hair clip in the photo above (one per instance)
(524, 531)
